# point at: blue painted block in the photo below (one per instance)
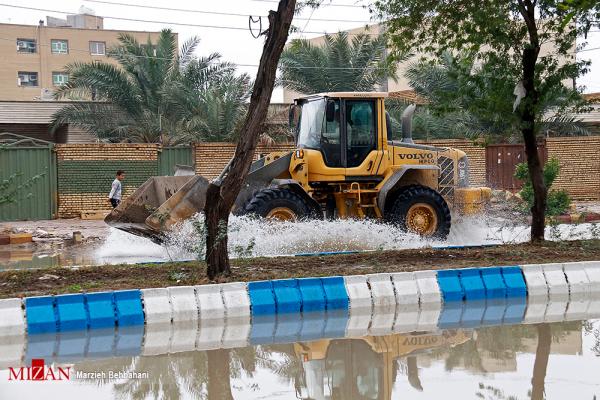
(128, 307)
(472, 284)
(287, 295)
(312, 294)
(42, 345)
(262, 299)
(41, 314)
(450, 315)
(101, 309)
(493, 282)
(494, 312)
(287, 329)
(472, 313)
(262, 329)
(129, 340)
(71, 346)
(71, 312)
(515, 283)
(335, 324)
(450, 285)
(101, 342)
(515, 310)
(313, 325)
(336, 295)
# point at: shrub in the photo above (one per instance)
(558, 201)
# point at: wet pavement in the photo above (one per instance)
(551, 361)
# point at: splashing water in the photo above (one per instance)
(256, 238)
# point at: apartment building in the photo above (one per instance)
(34, 56)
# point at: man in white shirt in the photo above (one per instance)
(115, 192)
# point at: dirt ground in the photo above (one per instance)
(22, 283)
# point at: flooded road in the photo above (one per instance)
(552, 361)
(252, 238)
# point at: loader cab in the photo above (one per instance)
(342, 127)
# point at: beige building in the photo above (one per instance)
(34, 56)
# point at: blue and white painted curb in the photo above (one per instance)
(183, 318)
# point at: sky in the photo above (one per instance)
(235, 45)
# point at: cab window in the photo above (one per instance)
(361, 134)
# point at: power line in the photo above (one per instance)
(215, 12)
(593, 48)
(325, 5)
(238, 28)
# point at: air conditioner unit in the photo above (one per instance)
(24, 79)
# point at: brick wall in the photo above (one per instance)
(86, 171)
(579, 159)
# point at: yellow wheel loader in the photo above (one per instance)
(344, 166)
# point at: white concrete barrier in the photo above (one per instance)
(358, 323)
(577, 309)
(405, 287)
(157, 306)
(558, 288)
(593, 311)
(535, 280)
(12, 317)
(429, 290)
(592, 270)
(382, 321)
(184, 336)
(236, 299)
(359, 293)
(12, 350)
(210, 302)
(382, 290)
(210, 334)
(237, 331)
(157, 339)
(183, 303)
(579, 284)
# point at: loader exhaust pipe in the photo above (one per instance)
(407, 115)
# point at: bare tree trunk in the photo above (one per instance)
(528, 117)
(221, 195)
(540, 366)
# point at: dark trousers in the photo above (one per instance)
(115, 202)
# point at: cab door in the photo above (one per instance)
(362, 155)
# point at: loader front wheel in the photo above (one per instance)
(278, 204)
(421, 210)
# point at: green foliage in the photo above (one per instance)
(155, 94)
(340, 64)
(558, 201)
(469, 100)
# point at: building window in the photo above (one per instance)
(26, 46)
(98, 48)
(27, 78)
(59, 78)
(59, 46)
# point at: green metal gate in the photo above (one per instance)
(27, 169)
(169, 157)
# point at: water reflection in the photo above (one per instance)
(518, 362)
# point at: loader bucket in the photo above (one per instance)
(130, 216)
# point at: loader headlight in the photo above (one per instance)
(463, 172)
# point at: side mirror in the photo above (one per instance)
(330, 111)
(294, 117)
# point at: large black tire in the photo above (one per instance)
(265, 202)
(410, 196)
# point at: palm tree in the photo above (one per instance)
(340, 64)
(465, 99)
(134, 100)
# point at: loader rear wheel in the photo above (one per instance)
(278, 204)
(421, 210)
